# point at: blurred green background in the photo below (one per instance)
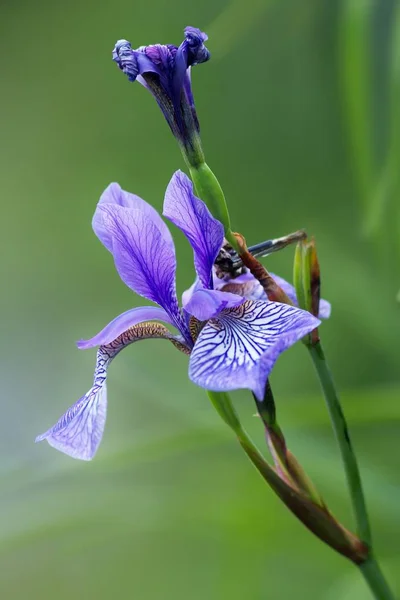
(299, 109)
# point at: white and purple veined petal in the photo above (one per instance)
(79, 431)
(191, 215)
(239, 348)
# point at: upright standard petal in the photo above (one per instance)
(115, 195)
(239, 348)
(191, 215)
(144, 260)
(79, 431)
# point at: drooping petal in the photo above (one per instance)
(206, 304)
(115, 195)
(192, 216)
(239, 348)
(79, 431)
(123, 322)
(144, 260)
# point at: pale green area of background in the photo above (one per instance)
(297, 107)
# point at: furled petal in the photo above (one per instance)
(144, 260)
(79, 431)
(206, 304)
(115, 195)
(123, 322)
(192, 216)
(239, 348)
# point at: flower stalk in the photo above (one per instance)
(285, 462)
(315, 517)
(341, 431)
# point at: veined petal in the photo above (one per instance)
(123, 322)
(192, 216)
(206, 304)
(144, 260)
(239, 348)
(79, 431)
(115, 195)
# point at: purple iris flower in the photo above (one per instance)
(233, 342)
(165, 71)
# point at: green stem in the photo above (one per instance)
(342, 435)
(375, 579)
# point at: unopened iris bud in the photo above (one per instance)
(307, 281)
(165, 71)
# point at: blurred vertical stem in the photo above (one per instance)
(342, 435)
(375, 579)
(369, 568)
(356, 73)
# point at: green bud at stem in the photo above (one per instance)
(306, 278)
(209, 190)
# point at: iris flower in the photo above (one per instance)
(233, 342)
(165, 71)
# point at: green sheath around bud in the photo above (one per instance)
(209, 190)
(306, 278)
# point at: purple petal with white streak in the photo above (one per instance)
(144, 260)
(206, 304)
(115, 195)
(123, 322)
(192, 216)
(239, 348)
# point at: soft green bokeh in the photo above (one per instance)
(171, 508)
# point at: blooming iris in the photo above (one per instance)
(165, 71)
(233, 342)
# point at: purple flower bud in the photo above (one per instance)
(165, 71)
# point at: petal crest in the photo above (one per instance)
(123, 322)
